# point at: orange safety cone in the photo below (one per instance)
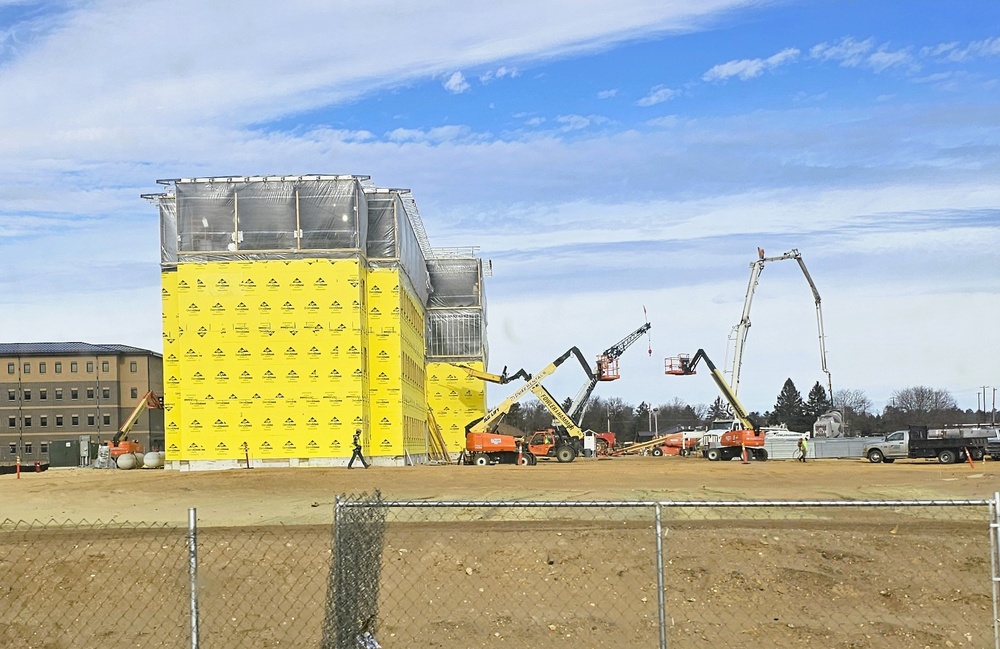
(520, 455)
(745, 459)
(969, 457)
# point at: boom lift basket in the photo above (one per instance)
(607, 369)
(678, 365)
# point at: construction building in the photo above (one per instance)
(299, 309)
(59, 401)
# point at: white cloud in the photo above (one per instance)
(750, 68)
(848, 52)
(578, 122)
(607, 94)
(500, 73)
(657, 95)
(456, 83)
(977, 49)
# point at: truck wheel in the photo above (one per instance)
(947, 456)
(977, 454)
(760, 454)
(657, 451)
(875, 456)
(565, 453)
(481, 459)
(526, 460)
(533, 459)
(713, 454)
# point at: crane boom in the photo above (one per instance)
(606, 369)
(739, 335)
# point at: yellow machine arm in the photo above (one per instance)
(502, 378)
(684, 365)
(149, 401)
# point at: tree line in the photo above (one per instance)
(919, 405)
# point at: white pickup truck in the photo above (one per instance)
(918, 443)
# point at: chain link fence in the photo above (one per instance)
(856, 575)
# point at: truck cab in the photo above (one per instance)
(888, 450)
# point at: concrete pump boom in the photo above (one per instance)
(740, 331)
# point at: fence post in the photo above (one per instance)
(660, 595)
(994, 557)
(193, 573)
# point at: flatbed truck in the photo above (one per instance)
(918, 442)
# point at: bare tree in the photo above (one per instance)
(854, 400)
(922, 399)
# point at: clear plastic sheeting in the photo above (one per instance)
(243, 218)
(392, 237)
(456, 334)
(168, 229)
(455, 282)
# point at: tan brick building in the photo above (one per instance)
(58, 397)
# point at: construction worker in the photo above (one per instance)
(803, 448)
(357, 451)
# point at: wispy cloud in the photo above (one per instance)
(657, 95)
(500, 73)
(578, 122)
(851, 53)
(952, 52)
(750, 68)
(607, 94)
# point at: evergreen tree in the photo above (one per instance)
(817, 404)
(788, 409)
(718, 410)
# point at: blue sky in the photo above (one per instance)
(606, 156)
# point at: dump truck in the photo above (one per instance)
(945, 445)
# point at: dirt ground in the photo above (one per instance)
(850, 578)
(304, 495)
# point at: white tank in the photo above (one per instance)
(127, 461)
(152, 460)
(138, 460)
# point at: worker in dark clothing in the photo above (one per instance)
(357, 451)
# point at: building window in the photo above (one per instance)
(133, 367)
(73, 367)
(58, 367)
(13, 448)
(43, 394)
(11, 395)
(107, 420)
(43, 421)
(41, 368)
(105, 367)
(58, 394)
(27, 368)
(12, 422)
(44, 447)
(59, 421)
(11, 368)
(90, 393)
(90, 420)
(90, 367)
(105, 393)
(74, 393)
(27, 448)
(27, 395)
(135, 393)
(27, 422)
(75, 420)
